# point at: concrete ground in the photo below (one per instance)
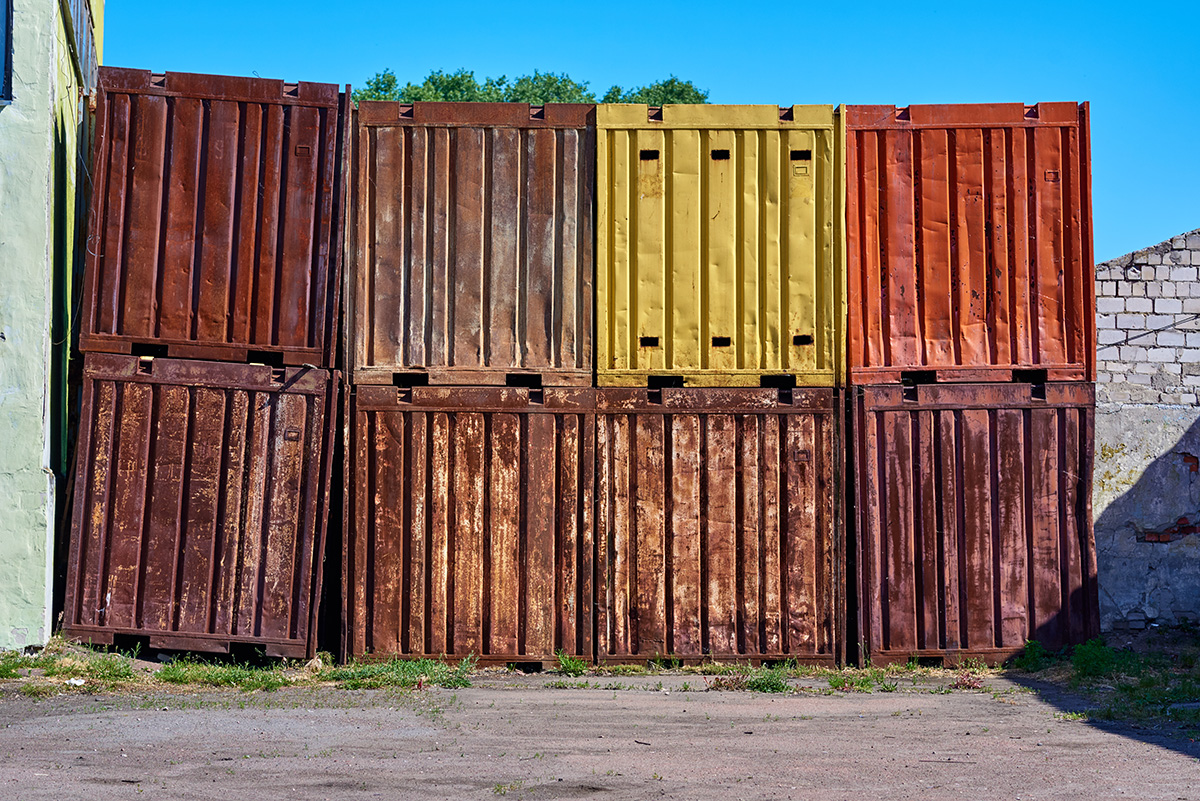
(515, 736)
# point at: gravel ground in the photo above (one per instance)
(634, 737)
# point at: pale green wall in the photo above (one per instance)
(43, 116)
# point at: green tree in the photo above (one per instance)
(661, 93)
(382, 87)
(546, 87)
(455, 87)
(535, 89)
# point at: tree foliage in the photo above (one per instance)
(662, 93)
(535, 89)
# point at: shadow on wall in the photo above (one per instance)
(1147, 503)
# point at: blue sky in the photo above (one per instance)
(1137, 63)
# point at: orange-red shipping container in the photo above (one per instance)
(973, 506)
(969, 242)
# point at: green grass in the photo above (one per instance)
(569, 665)
(190, 670)
(401, 673)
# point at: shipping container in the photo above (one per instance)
(216, 218)
(473, 253)
(969, 234)
(974, 509)
(472, 516)
(201, 502)
(719, 246)
(717, 525)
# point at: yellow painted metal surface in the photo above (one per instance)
(720, 251)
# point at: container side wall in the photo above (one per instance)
(214, 222)
(201, 504)
(474, 257)
(969, 242)
(975, 532)
(719, 246)
(472, 514)
(716, 525)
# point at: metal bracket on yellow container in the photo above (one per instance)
(720, 245)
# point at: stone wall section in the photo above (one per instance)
(1148, 325)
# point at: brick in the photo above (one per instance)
(1183, 273)
(1154, 289)
(1164, 306)
(1188, 356)
(1103, 378)
(1109, 336)
(1137, 378)
(1121, 367)
(1179, 242)
(1130, 353)
(1106, 321)
(1161, 355)
(1109, 353)
(1191, 305)
(1154, 321)
(1138, 290)
(1148, 274)
(1110, 305)
(1193, 241)
(1170, 339)
(1152, 258)
(1188, 400)
(1191, 380)
(1146, 368)
(1175, 368)
(1193, 289)
(1143, 305)
(1168, 289)
(1131, 322)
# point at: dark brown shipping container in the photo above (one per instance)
(472, 513)
(974, 506)
(717, 524)
(474, 252)
(969, 241)
(216, 217)
(201, 502)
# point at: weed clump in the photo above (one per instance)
(403, 673)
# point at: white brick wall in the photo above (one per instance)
(1148, 325)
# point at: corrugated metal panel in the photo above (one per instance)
(216, 217)
(472, 523)
(201, 494)
(717, 524)
(719, 244)
(970, 242)
(474, 242)
(975, 522)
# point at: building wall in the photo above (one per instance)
(39, 156)
(1147, 484)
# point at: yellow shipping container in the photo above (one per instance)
(720, 245)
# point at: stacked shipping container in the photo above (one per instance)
(506, 495)
(719, 268)
(969, 257)
(472, 417)
(202, 486)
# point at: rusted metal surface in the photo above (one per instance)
(969, 241)
(201, 496)
(974, 519)
(472, 523)
(473, 258)
(720, 245)
(216, 217)
(717, 524)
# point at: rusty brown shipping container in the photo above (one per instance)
(969, 240)
(216, 218)
(974, 519)
(201, 494)
(474, 251)
(717, 524)
(472, 515)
